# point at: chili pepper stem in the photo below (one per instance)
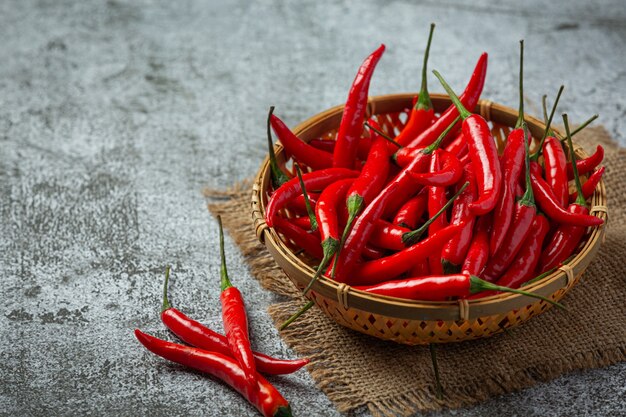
(433, 358)
(382, 134)
(435, 145)
(463, 112)
(582, 126)
(410, 238)
(225, 281)
(580, 200)
(423, 100)
(278, 176)
(296, 315)
(354, 204)
(307, 202)
(478, 285)
(329, 248)
(528, 199)
(520, 114)
(449, 267)
(283, 411)
(166, 301)
(547, 131)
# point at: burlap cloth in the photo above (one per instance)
(356, 370)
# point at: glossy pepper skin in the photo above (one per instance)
(200, 336)
(555, 167)
(483, 154)
(453, 252)
(263, 396)
(478, 252)
(235, 319)
(449, 173)
(523, 266)
(586, 165)
(548, 204)
(512, 163)
(301, 151)
(469, 98)
(382, 269)
(309, 242)
(351, 126)
(412, 211)
(313, 181)
(589, 186)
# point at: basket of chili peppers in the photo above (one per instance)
(410, 218)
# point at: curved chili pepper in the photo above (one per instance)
(469, 98)
(298, 204)
(388, 236)
(555, 165)
(458, 146)
(589, 186)
(436, 198)
(278, 176)
(303, 222)
(313, 180)
(453, 252)
(412, 211)
(587, 165)
(363, 150)
(263, 396)
(383, 269)
(548, 204)
(351, 126)
(478, 252)
(484, 155)
(567, 237)
(389, 199)
(300, 150)
(422, 113)
(200, 336)
(450, 171)
(370, 252)
(308, 242)
(441, 287)
(405, 155)
(235, 319)
(523, 267)
(524, 214)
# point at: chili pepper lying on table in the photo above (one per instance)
(235, 320)
(263, 396)
(351, 126)
(200, 336)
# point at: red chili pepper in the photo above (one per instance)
(469, 98)
(548, 204)
(420, 269)
(389, 199)
(524, 214)
(309, 242)
(298, 204)
(587, 165)
(370, 252)
(422, 113)
(478, 252)
(555, 165)
(589, 186)
(307, 204)
(436, 199)
(264, 396)
(441, 287)
(303, 222)
(351, 126)
(523, 266)
(317, 180)
(484, 155)
(454, 252)
(404, 156)
(450, 171)
(391, 266)
(412, 211)
(364, 146)
(235, 319)
(567, 237)
(458, 146)
(200, 336)
(301, 151)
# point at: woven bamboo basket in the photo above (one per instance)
(420, 322)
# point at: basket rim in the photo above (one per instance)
(418, 309)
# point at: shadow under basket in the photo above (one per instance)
(420, 322)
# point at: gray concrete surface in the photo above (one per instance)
(113, 117)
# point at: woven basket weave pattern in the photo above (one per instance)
(412, 322)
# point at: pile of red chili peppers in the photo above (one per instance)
(228, 358)
(435, 211)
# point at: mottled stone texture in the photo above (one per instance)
(114, 116)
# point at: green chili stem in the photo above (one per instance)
(278, 176)
(295, 316)
(225, 281)
(423, 100)
(382, 134)
(166, 301)
(580, 200)
(435, 145)
(477, 285)
(547, 130)
(455, 99)
(520, 114)
(307, 203)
